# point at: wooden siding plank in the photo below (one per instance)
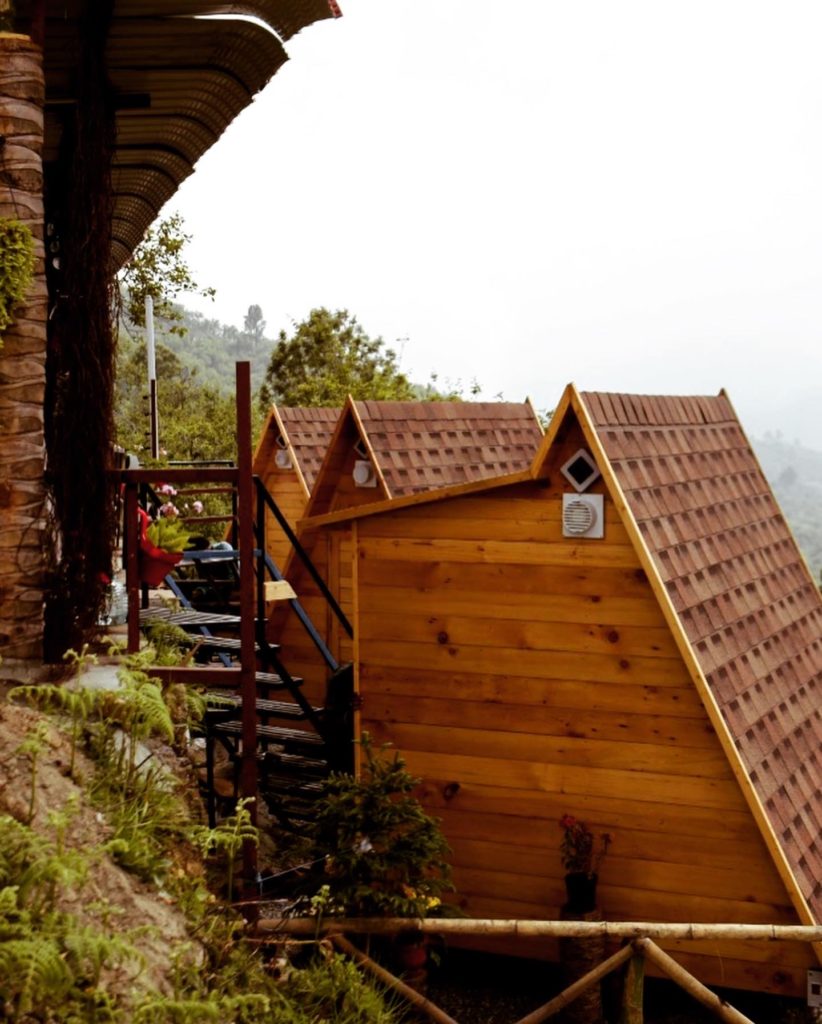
(446, 797)
(692, 849)
(445, 575)
(679, 733)
(573, 780)
(539, 529)
(495, 552)
(757, 883)
(622, 903)
(511, 749)
(563, 665)
(548, 607)
(563, 694)
(478, 631)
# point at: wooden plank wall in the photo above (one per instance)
(332, 555)
(285, 488)
(524, 676)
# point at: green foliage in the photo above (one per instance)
(169, 533)
(157, 268)
(383, 854)
(333, 989)
(227, 839)
(56, 968)
(328, 357)
(197, 421)
(16, 267)
(48, 957)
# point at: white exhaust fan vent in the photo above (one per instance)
(580, 470)
(583, 516)
(282, 459)
(364, 475)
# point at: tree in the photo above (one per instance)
(197, 422)
(254, 326)
(328, 357)
(157, 268)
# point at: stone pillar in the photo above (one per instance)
(22, 360)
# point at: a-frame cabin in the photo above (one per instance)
(289, 454)
(382, 450)
(660, 681)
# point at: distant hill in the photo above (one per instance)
(212, 348)
(795, 473)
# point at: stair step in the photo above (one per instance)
(273, 734)
(227, 643)
(188, 617)
(228, 703)
(285, 787)
(285, 765)
(274, 682)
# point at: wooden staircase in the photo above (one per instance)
(279, 745)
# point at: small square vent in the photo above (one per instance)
(580, 470)
(583, 515)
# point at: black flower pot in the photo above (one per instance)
(581, 890)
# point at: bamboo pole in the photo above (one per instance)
(569, 994)
(633, 990)
(539, 929)
(413, 997)
(689, 983)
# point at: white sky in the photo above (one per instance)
(624, 194)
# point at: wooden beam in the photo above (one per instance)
(633, 990)
(569, 994)
(413, 997)
(689, 983)
(538, 929)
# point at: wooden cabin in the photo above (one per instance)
(625, 632)
(288, 457)
(381, 451)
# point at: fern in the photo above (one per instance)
(34, 973)
(89, 951)
(228, 837)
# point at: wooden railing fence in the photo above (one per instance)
(639, 947)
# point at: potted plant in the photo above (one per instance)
(162, 542)
(582, 853)
(383, 854)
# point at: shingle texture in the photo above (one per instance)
(309, 431)
(421, 446)
(749, 607)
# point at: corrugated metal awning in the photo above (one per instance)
(181, 76)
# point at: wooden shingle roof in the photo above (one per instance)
(740, 600)
(737, 581)
(308, 431)
(422, 446)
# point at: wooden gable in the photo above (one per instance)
(302, 434)
(524, 675)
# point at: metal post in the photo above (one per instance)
(248, 659)
(152, 380)
(131, 535)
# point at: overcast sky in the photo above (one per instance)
(626, 195)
